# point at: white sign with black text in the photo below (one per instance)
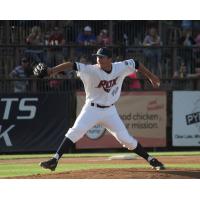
(186, 118)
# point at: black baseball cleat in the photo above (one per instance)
(49, 164)
(156, 164)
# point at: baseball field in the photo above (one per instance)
(179, 165)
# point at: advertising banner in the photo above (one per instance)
(186, 118)
(144, 115)
(33, 122)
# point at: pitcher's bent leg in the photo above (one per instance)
(85, 121)
(117, 128)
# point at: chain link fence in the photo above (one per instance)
(125, 38)
(59, 85)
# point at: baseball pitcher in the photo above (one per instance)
(102, 82)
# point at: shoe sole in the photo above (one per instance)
(41, 165)
(158, 168)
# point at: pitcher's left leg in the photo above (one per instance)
(117, 128)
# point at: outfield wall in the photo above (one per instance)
(37, 121)
(34, 122)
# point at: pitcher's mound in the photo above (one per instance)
(123, 157)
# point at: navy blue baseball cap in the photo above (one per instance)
(103, 52)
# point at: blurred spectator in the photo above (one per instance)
(197, 40)
(153, 55)
(103, 38)
(181, 72)
(56, 38)
(87, 37)
(152, 38)
(55, 53)
(35, 36)
(125, 39)
(187, 41)
(186, 38)
(196, 52)
(68, 73)
(57, 82)
(186, 24)
(22, 71)
(35, 39)
(84, 60)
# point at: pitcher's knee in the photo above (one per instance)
(129, 143)
(75, 134)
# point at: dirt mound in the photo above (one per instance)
(120, 174)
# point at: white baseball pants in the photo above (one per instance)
(108, 118)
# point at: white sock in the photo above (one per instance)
(150, 158)
(56, 156)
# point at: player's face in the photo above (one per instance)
(104, 62)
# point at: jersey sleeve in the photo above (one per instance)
(129, 66)
(83, 71)
(82, 68)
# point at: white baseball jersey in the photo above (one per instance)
(101, 87)
(104, 89)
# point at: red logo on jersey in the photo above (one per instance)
(107, 85)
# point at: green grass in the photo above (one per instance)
(23, 169)
(82, 155)
(185, 166)
(75, 155)
(7, 170)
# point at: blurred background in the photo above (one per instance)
(169, 48)
(164, 46)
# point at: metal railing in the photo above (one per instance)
(31, 85)
(16, 31)
(163, 61)
(127, 38)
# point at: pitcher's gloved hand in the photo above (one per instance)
(40, 70)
